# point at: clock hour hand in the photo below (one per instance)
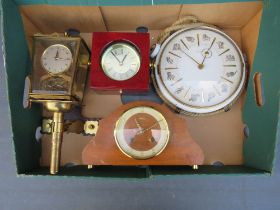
(123, 59)
(116, 57)
(138, 124)
(201, 65)
(56, 55)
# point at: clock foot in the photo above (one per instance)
(195, 167)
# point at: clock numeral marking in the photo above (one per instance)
(190, 39)
(205, 37)
(179, 90)
(224, 88)
(187, 92)
(197, 35)
(231, 73)
(179, 80)
(170, 68)
(211, 95)
(224, 52)
(216, 89)
(184, 44)
(170, 76)
(178, 56)
(176, 46)
(194, 97)
(220, 45)
(169, 60)
(202, 97)
(230, 58)
(227, 79)
(115, 75)
(229, 65)
(212, 43)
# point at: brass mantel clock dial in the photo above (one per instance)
(120, 61)
(141, 132)
(56, 59)
(199, 70)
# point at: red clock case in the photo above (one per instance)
(98, 79)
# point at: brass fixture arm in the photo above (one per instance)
(57, 135)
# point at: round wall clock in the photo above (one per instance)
(199, 70)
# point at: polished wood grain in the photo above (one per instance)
(180, 150)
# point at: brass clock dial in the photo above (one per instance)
(120, 61)
(56, 59)
(142, 132)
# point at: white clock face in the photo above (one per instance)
(56, 59)
(199, 70)
(120, 61)
(141, 132)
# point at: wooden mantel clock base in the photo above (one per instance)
(142, 133)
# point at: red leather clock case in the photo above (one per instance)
(98, 79)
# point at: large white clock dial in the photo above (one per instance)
(56, 59)
(120, 61)
(199, 70)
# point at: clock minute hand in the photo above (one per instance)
(190, 57)
(64, 59)
(116, 57)
(146, 129)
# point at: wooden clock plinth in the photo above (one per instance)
(180, 150)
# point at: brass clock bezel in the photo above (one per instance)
(127, 44)
(59, 73)
(136, 157)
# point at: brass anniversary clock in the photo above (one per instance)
(57, 80)
(199, 70)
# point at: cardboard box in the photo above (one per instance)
(254, 25)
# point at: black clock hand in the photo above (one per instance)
(190, 56)
(115, 57)
(56, 55)
(123, 59)
(205, 54)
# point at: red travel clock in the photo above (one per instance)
(120, 61)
